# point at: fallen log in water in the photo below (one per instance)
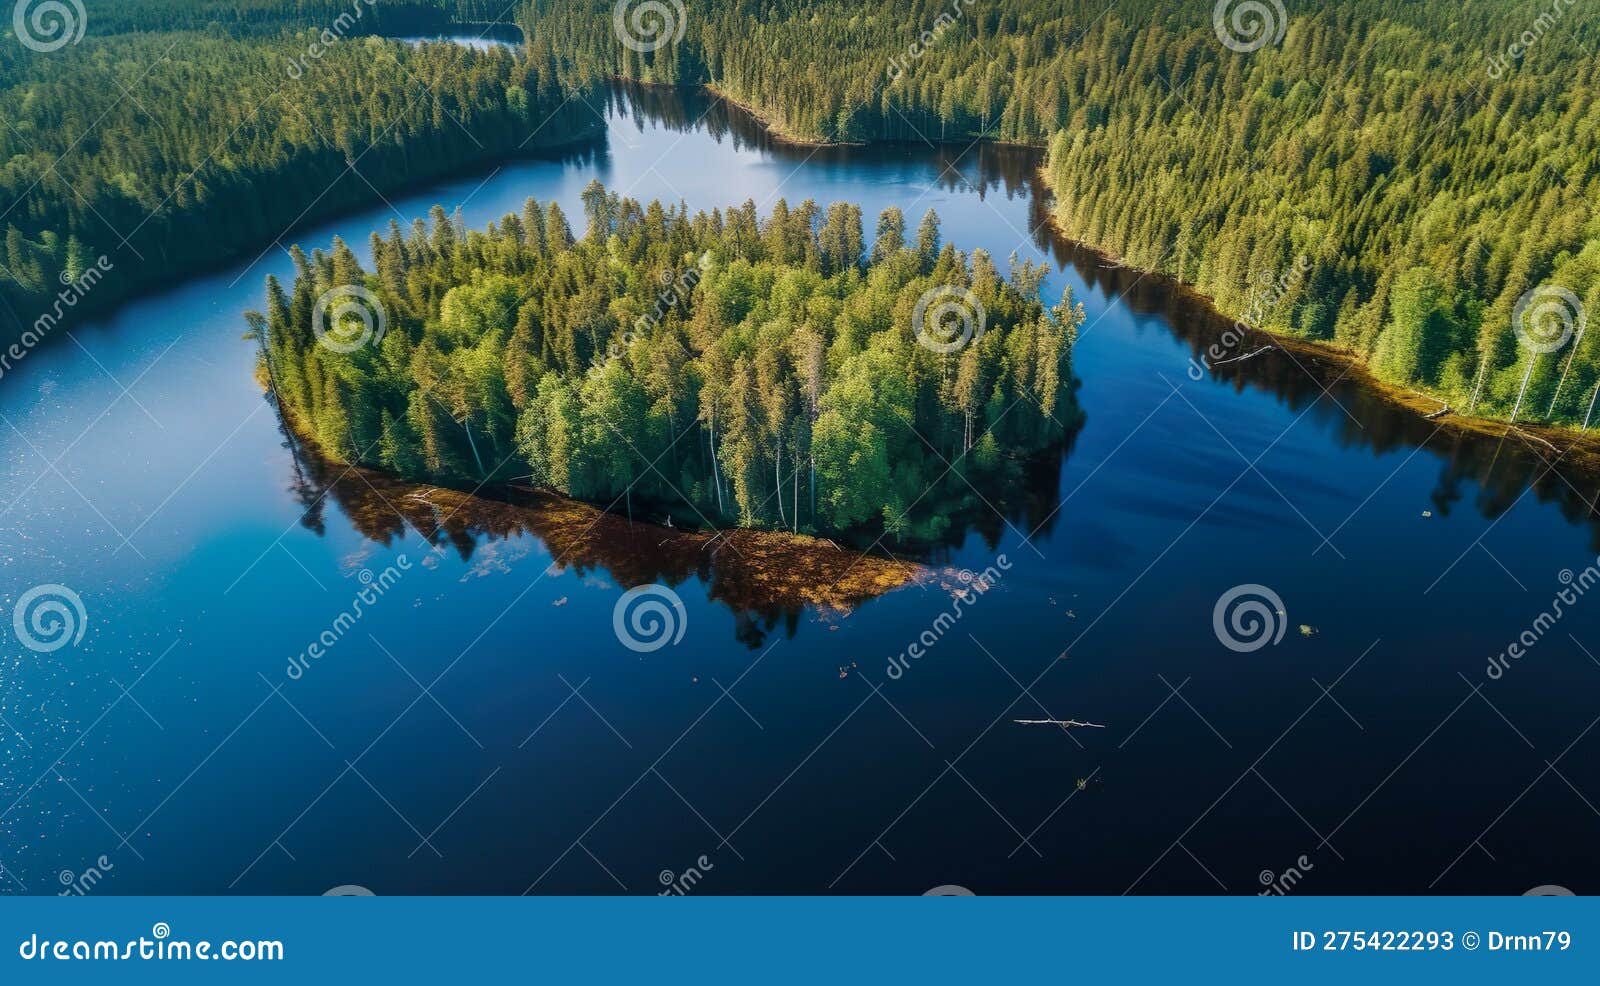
(1241, 359)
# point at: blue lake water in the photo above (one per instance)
(481, 728)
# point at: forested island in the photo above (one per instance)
(769, 372)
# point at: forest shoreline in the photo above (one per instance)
(1419, 403)
(1409, 399)
(220, 261)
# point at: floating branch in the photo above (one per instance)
(1241, 359)
(1437, 414)
(1535, 438)
(1063, 723)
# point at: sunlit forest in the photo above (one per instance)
(1429, 188)
(1381, 177)
(763, 371)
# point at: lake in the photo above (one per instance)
(482, 726)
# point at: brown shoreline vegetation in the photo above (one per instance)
(766, 572)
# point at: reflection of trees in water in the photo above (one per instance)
(984, 167)
(767, 579)
(1503, 466)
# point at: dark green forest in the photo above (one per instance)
(1385, 176)
(724, 366)
(1429, 180)
(166, 152)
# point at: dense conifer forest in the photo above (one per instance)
(167, 151)
(775, 372)
(1379, 175)
(1411, 182)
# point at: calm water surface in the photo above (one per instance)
(480, 729)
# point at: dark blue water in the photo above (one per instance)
(481, 729)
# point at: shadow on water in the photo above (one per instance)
(768, 579)
(1503, 464)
